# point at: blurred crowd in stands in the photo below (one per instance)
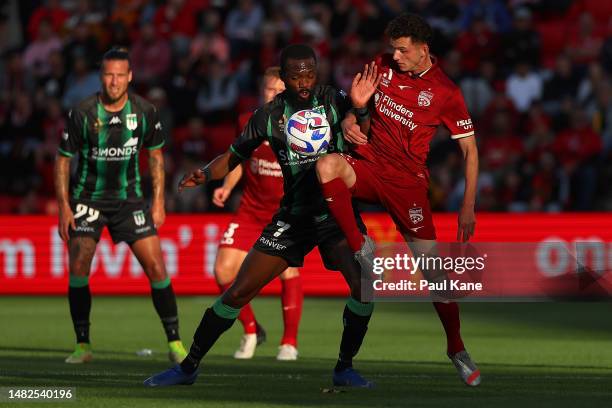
(536, 75)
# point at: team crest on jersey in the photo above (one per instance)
(377, 97)
(425, 98)
(97, 125)
(139, 217)
(254, 165)
(131, 121)
(386, 78)
(416, 214)
(281, 123)
(320, 109)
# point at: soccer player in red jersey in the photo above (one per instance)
(401, 111)
(263, 190)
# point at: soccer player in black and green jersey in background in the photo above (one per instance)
(301, 223)
(107, 131)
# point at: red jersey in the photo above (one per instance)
(406, 111)
(263, 181)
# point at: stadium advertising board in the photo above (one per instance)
(33, 259)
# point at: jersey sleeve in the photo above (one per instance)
(154, 134)
(455, 116)
(72, 136)
(252, 136)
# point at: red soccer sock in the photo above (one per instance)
(246, 316)
(449, 316)
(338, 199)
(291, 299)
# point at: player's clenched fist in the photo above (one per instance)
(66, 221)
(189, 180)
(220, 196)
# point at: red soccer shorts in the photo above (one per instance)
(241, 233)
(408, 205)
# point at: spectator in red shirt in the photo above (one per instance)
(36, 55)
(477, 44)
(577, 150)
(53, 12)
(151, 57)
(584, 46)
(501, 148)
(176, 20)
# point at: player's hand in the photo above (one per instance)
(66, 221)
(364, 85)
(158, 213)
(189, 180)
(467, 224)
(352, 132)
(220, 196)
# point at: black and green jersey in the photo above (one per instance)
(302, 192)
(108, 144)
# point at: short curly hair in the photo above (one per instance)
(410, 25)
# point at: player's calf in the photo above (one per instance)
(365, 256)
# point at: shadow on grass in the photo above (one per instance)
(269, 383)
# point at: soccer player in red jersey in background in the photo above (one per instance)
(402, 110)
(263, 190)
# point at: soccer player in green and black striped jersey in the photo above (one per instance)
(106, 132)
(302, 222)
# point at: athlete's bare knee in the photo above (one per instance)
(328, 167)
(236, 297)
(289, 273)
(356, 290)
(224, 272)
(156, 271)
(79, 267)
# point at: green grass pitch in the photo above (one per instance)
(538, 354)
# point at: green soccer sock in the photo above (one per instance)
(356, 317)
(79, 299)
(164, 301)
(216, 320)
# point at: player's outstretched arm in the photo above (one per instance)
(467, 218)
(62, 180)
(221, 194)
(215, 170)
(156, 167)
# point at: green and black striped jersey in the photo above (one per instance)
(302, 194)
(108, 144)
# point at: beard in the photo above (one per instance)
(298, 102)
(112, 99)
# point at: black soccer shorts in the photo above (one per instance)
(292, 237)
(126, 221)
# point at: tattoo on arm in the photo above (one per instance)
(156, 166)
(62, 179)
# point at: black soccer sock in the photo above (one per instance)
(355, 318)
(79, 298)
(165, 305)
(215, 322)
